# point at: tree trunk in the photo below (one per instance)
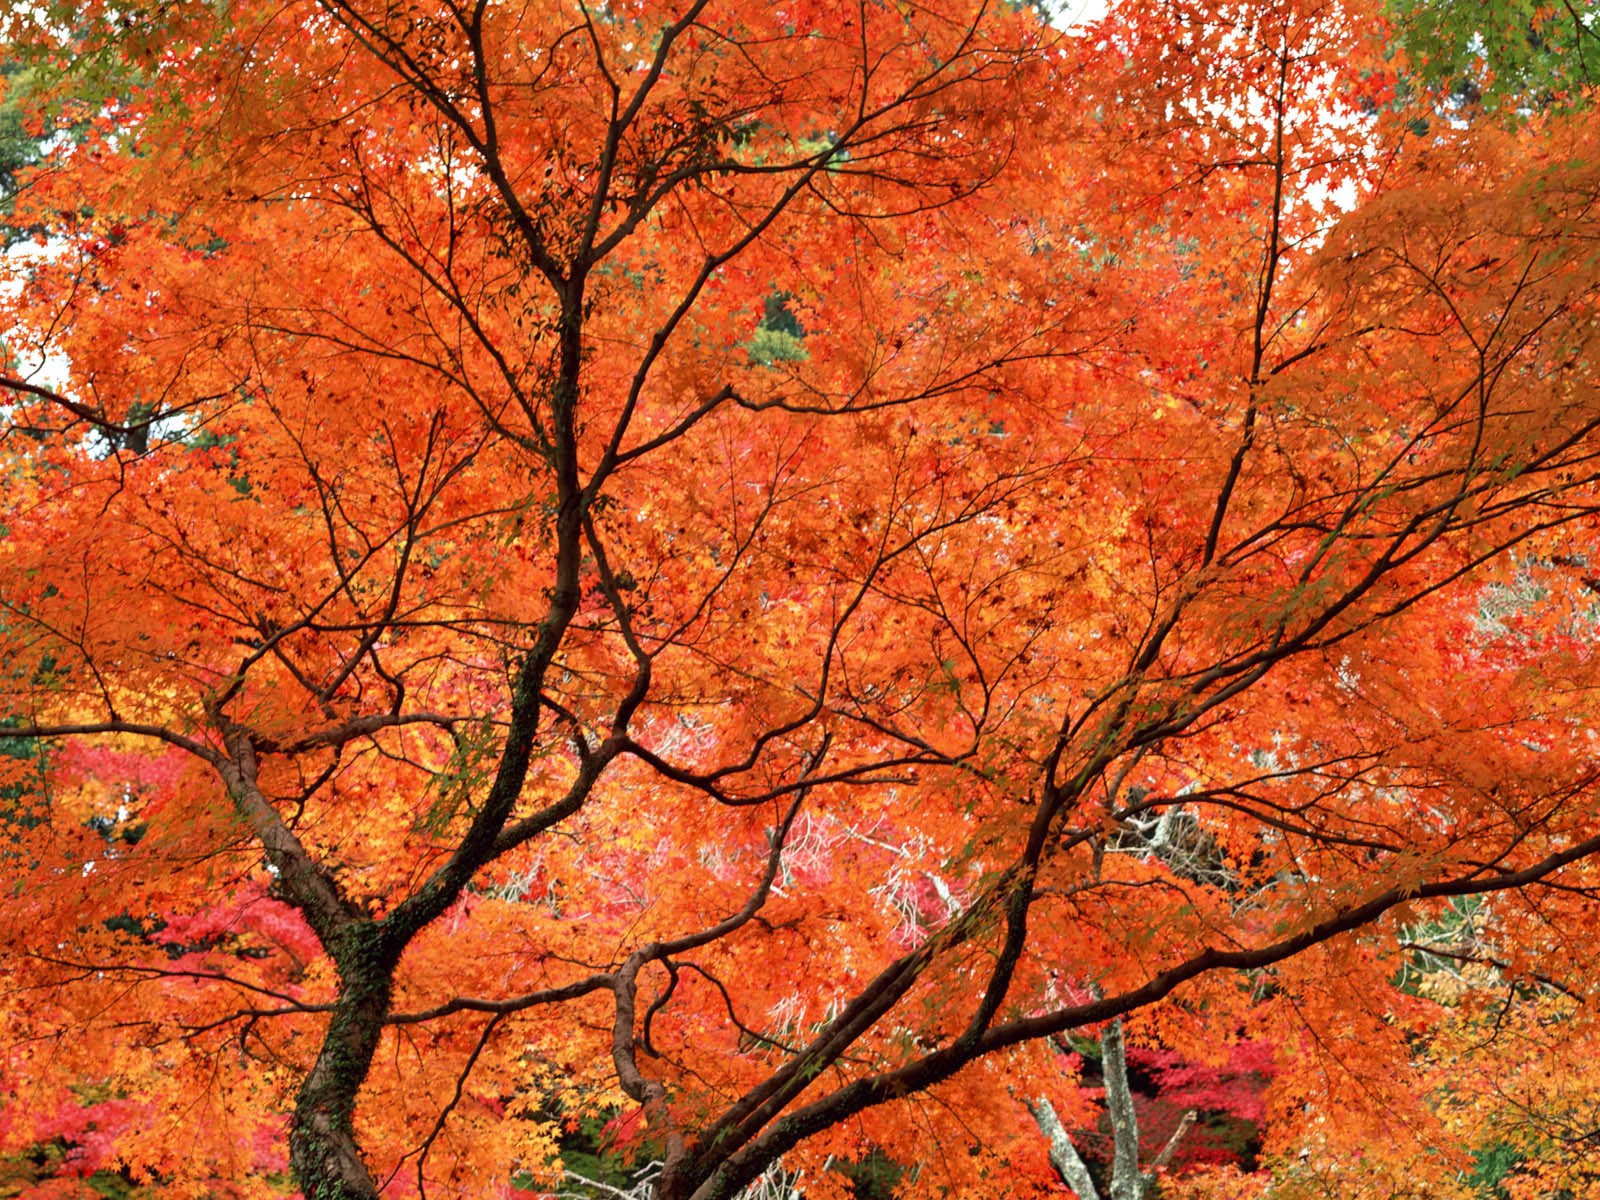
(323, 1153)
(1064, 1156)
(1128, 1181)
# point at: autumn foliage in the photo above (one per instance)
(733, 572)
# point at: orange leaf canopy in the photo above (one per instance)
(745, 564)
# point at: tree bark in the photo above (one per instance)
(1064, 1156)
(1128, 1182)
(323, 1152)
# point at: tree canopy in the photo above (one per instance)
(738, 571)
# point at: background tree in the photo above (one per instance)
(483, 690)
(1132, 1178)
(1501, 57)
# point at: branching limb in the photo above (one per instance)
(462, 1076)
(1185, 1123)
(88, 728)
(512, 1004)
(357, 727)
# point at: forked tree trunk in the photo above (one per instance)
(1128, 1180)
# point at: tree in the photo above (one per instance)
(1501, 1067)
(481, 687)
(1130, 1180)
(1507, 55)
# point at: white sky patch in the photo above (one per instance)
(50, 371)
(1066, 14)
